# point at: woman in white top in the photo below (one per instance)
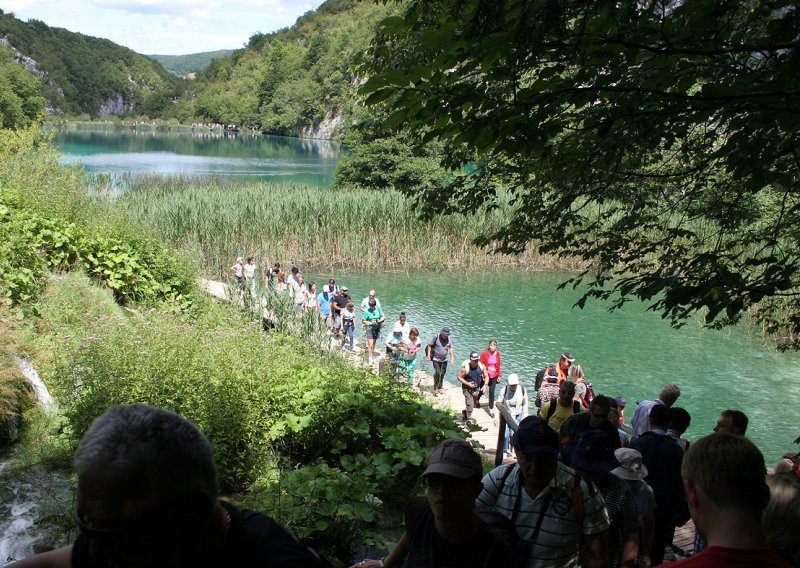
(516, 398)
(311, 298)
(300, 294)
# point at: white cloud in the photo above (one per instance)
(166, 26)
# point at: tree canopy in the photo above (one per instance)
(655, 139)
(21, 100)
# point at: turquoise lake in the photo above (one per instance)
(631, 352)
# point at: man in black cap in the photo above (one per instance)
(443, 529)
(437, 351)
(594, 459)
(556, 370)
(553, 509)
(472, 377)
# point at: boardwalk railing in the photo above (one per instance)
(506, 419)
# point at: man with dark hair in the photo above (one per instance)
(553, 509)
(338, 305)
(732, 422)
(596, 418)
(443, 529)
(662, 457)
(147, 496)
(640, 423)
(725, 479)
(560, 409)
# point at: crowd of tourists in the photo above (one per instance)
(585, 486)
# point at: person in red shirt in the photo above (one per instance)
(725, 480)
(491, 360)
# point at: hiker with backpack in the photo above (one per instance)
(514, 396)
(555, 511)
(557, 410)
(584, 391)
(558, 370)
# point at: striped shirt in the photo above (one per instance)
(559, 537)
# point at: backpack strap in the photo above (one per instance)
(551, 409)
(503, 479)
(576, 406)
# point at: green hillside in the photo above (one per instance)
(292, 80)
(83, 74)
(183, 65)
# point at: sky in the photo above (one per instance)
(165, 27)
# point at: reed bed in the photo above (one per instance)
(218, 220)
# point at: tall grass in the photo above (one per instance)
(218, 220)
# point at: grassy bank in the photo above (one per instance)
(111, 317)
(217, 221)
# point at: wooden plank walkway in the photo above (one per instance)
(486, 429)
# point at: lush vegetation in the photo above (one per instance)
(339, 228)
(183, 65)
(290, 80)
(83, 74)
(46, 227)
(297, 431)
(21, 103)
(656, 141)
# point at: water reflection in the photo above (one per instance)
(200, 153)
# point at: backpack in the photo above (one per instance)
(588, 397)
(549, 370)
(576, 408)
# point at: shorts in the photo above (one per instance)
(373, 332)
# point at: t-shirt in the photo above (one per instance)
(253, 540)
(249, 271)
(473, 376)
(560, 535)
(439, 349)
(487, 549)
(365, 303)
(348, 317)
(720, 557)
(412, 347)
(560, 413)
(623, 515)
(341, 302)
(324, 301)
(372, 315)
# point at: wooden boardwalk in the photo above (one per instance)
(486, 429)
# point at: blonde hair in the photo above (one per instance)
(575, 373)
(781, 520)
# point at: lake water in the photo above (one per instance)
(200, 154)
(631, 352)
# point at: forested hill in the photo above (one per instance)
(183, 65)
(297, 81)
(83, 74)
